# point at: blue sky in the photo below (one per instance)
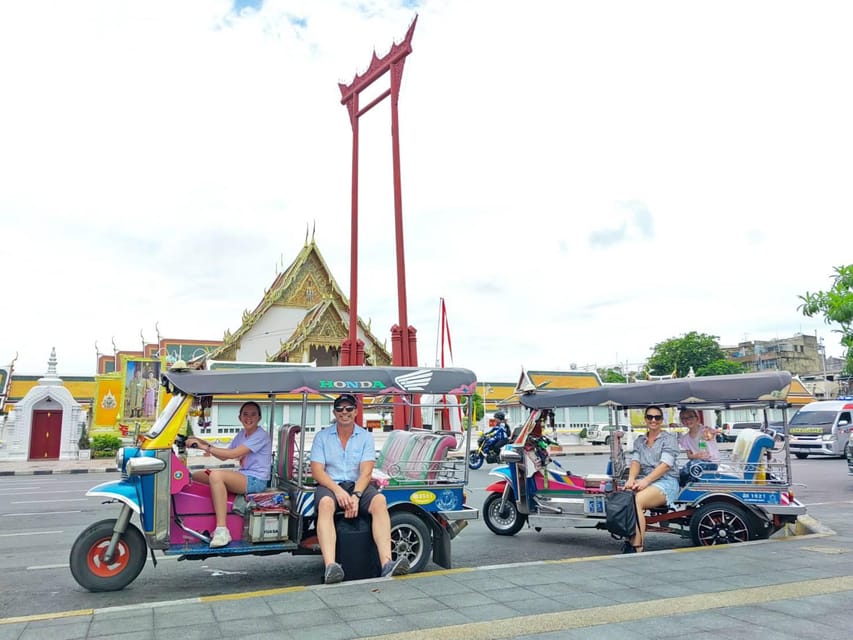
(579, 183)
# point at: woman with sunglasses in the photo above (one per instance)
(653, 474)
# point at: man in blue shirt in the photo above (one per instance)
(342, 459)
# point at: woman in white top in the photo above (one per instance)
(698, 433)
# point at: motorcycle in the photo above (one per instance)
(488, 450)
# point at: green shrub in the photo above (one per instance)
(582, 434)
(105, 445)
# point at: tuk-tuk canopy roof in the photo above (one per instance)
(323, 380)
(768, 389)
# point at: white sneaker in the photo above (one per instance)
(221, 537)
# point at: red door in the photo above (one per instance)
(45, 435)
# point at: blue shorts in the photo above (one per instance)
(668, 486)
(255, 485)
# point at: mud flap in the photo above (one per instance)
(440, 546)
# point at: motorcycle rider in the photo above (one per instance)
(497, 436)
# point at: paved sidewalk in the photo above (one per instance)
(794, 588)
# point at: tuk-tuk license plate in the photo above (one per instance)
(594, 505)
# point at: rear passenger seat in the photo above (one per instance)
(414, 456)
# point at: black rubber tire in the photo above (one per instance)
(410, 536)
(607, 441)
(801, 456)
(85, 557)
(721, 523)
(503, 524)
(475, 460)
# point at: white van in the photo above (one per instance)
(821, 428)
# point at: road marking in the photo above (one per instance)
(39, 513)
(19, 492)
(43, 501)
(29, 533)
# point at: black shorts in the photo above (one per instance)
(367, 495)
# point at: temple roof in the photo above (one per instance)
(302, 311)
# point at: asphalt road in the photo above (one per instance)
(40, 516)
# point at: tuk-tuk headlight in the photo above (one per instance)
(120, 459)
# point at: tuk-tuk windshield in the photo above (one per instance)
(165, 416)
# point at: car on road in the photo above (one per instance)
(600, 433)
(736, 427)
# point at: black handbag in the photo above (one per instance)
(620, 510)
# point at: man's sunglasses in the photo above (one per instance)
(346, 409)
(656, 417)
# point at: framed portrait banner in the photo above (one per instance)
(141, 389)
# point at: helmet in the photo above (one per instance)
(500, 415)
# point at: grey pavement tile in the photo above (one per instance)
(183, 616)
(412, 605)
(710, 620)
(509, 594)
(241, 609)
(428, 620)
(192, 632)
(741, 581)
(573, 602)
(440, 586)
(780, 622)
(811, 607)
(669, 590)
(267, 635)
(470, 599)
(339, 597)
(482, 582)
(113, 626)
(555, 588)
(595, 585)
(303, 619)
(12, 631)
(142, 634)
(619, 631)
(238, 628)
(381, 626)
(132, 616)
(339, 631)
(296, 601)
(536, 605)
(620, 596)
(68, 631)
(361, 611)
(392, 590)
(492, 612)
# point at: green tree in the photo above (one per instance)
(719, 368)
(836, 307)
(479, 408)
(611, 375)
(697, 350)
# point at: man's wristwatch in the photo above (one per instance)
(357, 494)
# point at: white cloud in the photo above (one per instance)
(580, 180)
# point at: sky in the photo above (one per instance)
(580, 180)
